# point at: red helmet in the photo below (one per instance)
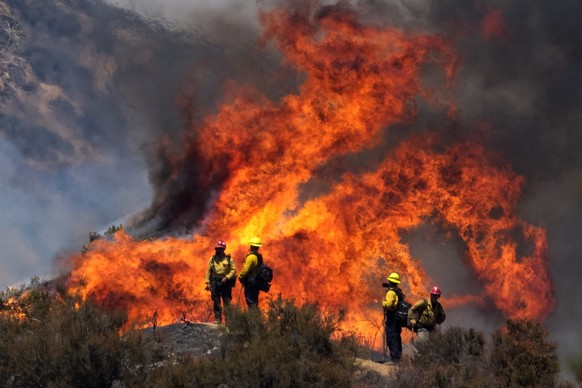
(436, 291)
(220, 244)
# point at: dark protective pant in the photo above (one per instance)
(252, 294)
(220, 291)
(393, 338)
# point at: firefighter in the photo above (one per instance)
(425, 315)
(220, 279)
(392, 329)
(249, 272)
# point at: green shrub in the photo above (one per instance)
(63, 342)
(522, 356)
(455, 345)
(451, 358)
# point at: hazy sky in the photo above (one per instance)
(74, 150)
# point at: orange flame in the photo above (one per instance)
(337, 248)
(14, 309)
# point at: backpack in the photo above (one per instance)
(264, 275)
(402, 307)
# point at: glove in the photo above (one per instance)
(224, 280)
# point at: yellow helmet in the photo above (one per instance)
(394, 278)
(255, 242)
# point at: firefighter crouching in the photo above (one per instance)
(425, 315)
(220, 279)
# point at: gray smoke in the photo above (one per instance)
(86, 100)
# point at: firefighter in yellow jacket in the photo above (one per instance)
(391, 328)
(220, 279)
(425, 314)
(249, 272)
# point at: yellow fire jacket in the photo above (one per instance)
(391, 300)
(249, 266)
(427, 314)
(220, 267)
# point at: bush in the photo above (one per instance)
(451, 358)
(289, 347)
(452, 346)
(522, 356)
(63, 342)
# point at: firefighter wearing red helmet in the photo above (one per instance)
(220, 279)
(425, 315)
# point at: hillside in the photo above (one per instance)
(289, 346)
(48, 338)
(13, 68)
